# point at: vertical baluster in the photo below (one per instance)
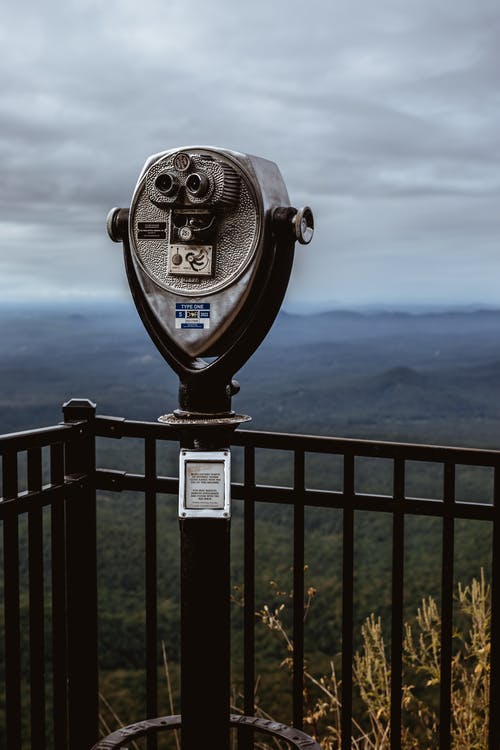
(298, 590)
(447, 607)
(11, 606)
(81, 577)
(151, 587)
(245, 736)
(494, 730)
(249, 581)
(398, 530)
(347, 601)
(58, 584)
(36, 608)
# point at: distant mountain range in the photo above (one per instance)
(390, 375)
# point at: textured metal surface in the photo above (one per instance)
(236, 231)
(254, 256)
(180, 422)
(294, 737)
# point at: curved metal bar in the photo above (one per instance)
(294, 737)
(199, 378)
(254, 323)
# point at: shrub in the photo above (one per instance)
(470, 670)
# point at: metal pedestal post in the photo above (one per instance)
(205, 633)
(205, 610)
(238, 207)
(205, 617)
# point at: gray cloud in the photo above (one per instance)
(385, 118)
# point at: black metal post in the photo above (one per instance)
(12, 611)
(205, 617)
(81, 592)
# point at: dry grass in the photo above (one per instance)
(470, 671)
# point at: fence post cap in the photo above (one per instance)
(78, 409)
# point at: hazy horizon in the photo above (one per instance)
(85, 304)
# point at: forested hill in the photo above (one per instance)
(429, 377)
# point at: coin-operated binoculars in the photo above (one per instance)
(208, 242)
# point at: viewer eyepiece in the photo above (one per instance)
(167, 183)
(197, 184)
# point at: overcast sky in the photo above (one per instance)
(383, 116)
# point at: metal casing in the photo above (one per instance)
(243, 191)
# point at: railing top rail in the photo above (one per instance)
(106, 426)
(119, 427)
(116, 427)
(40, 436)
(368, 448)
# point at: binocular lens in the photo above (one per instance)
(166, 183)
(197, 184)
(193, 183)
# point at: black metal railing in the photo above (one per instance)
(57, 501)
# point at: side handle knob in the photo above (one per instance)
(303, 224)
(117, 223)
(294, 224)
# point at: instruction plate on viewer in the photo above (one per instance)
(204, 484)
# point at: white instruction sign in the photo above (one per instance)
(205, 486)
